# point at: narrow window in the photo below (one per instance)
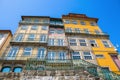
(72, 42)
(43, 38)
(62, 55)
(76, 56)
(12, 53)
(106, 44)
(82, 42)
(31, 37)
(41, 53)
(87, 55)
(19, 37)
(51, 55)
(34, 28)
(60, 42)
(82, 22)
(27, 51)
(51, 41)
(93, 43)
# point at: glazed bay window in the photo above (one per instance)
(76, 56)
(72, 42)
(106, 43)
(82, 22)
(23, 27)
(27, 51)
(12, 53)
(19, 37)
(60, 42)
(43, 38)
(82, 42)
(62, 55)
(44, 27)
(68, 30)
(41, 53)
(34, 27)
(87, 55)
(86, 31)
(31, 37)
(51, 41)
(51, 55)
(93, 43)
(77, 30)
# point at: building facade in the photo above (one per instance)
(69, 48)
(5, 37)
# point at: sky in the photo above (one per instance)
(108, 12)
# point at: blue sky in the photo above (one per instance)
(108, 12)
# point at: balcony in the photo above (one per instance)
(81, 32)
(35, 41)
(32, 22)
(58, 61)
(58, 45)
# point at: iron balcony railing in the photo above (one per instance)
(83, 32)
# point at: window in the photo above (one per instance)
(31, 37)
(44, 27)
(72, 42)
(23, 27)
(60, 31)
(60, 42)
(17, 69)
(45, 21)
(19, 37)
(34, 28)
(68, 30)
(86, 31)
(76, 56)
(12, 53)
(36, 20)
(43, 38)
(6, 69)
(28, 20)
(51, 55)
(67, 21)
(106, 44)
(99, 56)
(74, 22)
(62, 55)
(27, 51)
(82, 42)
(41, 53)
(1, 36)
(97, 32)
(93, 43)
(82, 22)
(87, 56)
(92, 23)
(51, 41)
(59, 23)
(77, 30)
(52, 31)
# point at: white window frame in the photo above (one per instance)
(83, 42)
(108, 42)
(41, 57)
(76, 55)
(88, 55)
(29, 37)
(94, 44)
(71, 42)
(27, 51)
(43, 38)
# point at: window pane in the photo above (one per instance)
(86, 53)
(74, 22)
(19, 37)
(86, 31)
(82, 42)
(82, 22)
(41, 53)
(6, 69)
(43, 38)
(52, 31)
(87, 57)
(60, 42)
(68, 30)
(99, 56)
(77, 30)
(17, 69)
(67, 21)
(72, 42)
(51, 55)
(44, 27)
(51, 41)
(34, 28)
(62, 55)
(60, 31)
(36, 20)
(106, 44)
(31, 37)
(92, 23)
(76, 55)
(23, 27)
(27, 51)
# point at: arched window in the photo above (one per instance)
(6, 69)
(17, 69)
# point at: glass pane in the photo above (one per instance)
(6, 69)
(17, 69)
